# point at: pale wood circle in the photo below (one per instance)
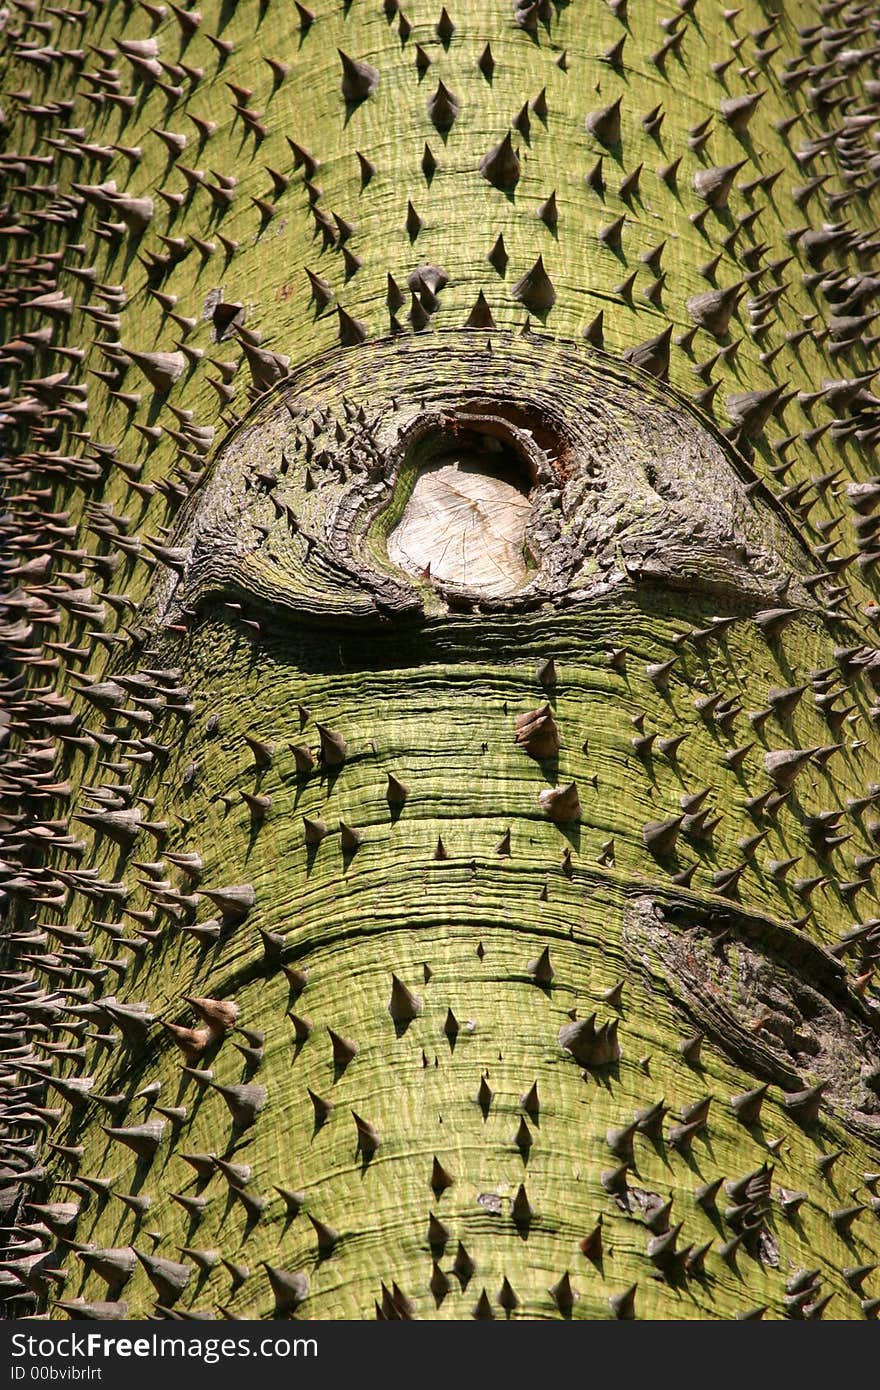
(464, 525)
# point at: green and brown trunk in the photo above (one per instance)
(441, 757)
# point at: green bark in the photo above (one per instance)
(225, 680)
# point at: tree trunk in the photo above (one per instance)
(441, 758)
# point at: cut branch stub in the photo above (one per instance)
(467, 502)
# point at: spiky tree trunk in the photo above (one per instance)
(441, 755)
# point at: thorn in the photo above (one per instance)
(396, 792)
(333, 747)
(443, 108)
(403, 1005)
(414, 223)
(623, 1305)
(441, 1178)
(351, 331)
(548, 213)
(344, 1050)
(480, 315)
(327, 1237)
(593, 333)
(535, 289)
(540, 969)
(522, 1208)
(463, 1266)
(367, 1135)
(805, 1105)
(349, 839)
(605, 124)
(290, 1289)
(659, 837)
(561, 804)
(589, 1045)
(498, 257)
(501, 165)
(367, 168)
(323, 1108)
(486, 63)
(507, 1297)
(690, 1049)
(359, 79)
(591, 1245)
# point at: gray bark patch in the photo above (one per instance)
(772, 1018)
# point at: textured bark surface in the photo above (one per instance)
(380, 942)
